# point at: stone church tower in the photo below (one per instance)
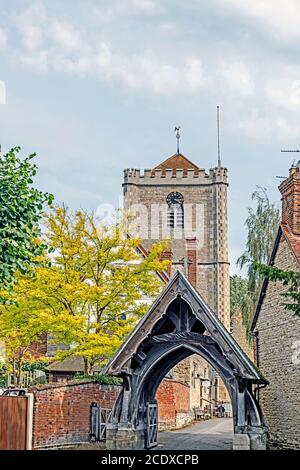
(179, 200)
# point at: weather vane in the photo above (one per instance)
(177, 133)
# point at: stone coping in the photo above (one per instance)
(71, 383)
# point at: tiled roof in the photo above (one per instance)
(293, 240)
(163, 275)
(71, 364)
(177, 162)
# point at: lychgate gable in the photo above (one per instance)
(179, 324)
(165, 316)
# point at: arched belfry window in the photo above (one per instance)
(175, 215)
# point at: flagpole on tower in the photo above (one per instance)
(218, 133)
(177, 133)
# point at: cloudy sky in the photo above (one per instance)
(95, 86)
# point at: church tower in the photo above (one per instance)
(179, 200)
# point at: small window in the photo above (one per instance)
(175, 214)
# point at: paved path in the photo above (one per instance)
(214, 434)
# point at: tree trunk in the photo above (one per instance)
(14, 373)
(86, 366)
(18, 374)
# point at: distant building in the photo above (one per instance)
(277, 331)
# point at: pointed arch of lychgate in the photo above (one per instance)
(180, 324)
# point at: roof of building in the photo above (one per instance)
(163, 275)
(177, 162)
(203, 313)
(70, 364)
(293, 242)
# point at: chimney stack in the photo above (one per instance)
(290, 192)
(167, 255)
(191, 247)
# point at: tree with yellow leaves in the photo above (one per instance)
(94, 291)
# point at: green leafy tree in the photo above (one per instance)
(261, 223)
(21, 207)
(22, 329)
(240, 300)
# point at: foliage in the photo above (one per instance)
(287, 278)
(91, 295)
(238, 290)
(35, 365)
(21, 207)
(101, 379)
(261, 223)
(21, 330)
(240, 300)
(3, 375)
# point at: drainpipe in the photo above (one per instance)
(259, 387)
(256, 336)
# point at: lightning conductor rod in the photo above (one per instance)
(218, 133)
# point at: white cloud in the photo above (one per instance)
(51, 44)
(31, 26)
(284, 92)
(65, 35)
(3, 39)
(195, 76)
(167, 28)
(113, 9)
(282, 16)
(237, 77)
(144, 5)
(145, 72)
(38, 61)
(103, 63)
(265, 127)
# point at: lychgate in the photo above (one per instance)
(180, 324)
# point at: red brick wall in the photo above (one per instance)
(61, 413)
(290, 191)
(173, 397)
(191, 244)
(167, 255)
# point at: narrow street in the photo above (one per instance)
(215, 434)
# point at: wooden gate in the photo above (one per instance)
(152, 424)
(13, 423)
(105, 415)
(99, 419)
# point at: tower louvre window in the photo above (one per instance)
(175, 212)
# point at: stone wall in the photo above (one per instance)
(199, 368)
(173, 405)
(238, 331)
(205, 204)
(181, 372)
(61, 412)
(279, 333)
